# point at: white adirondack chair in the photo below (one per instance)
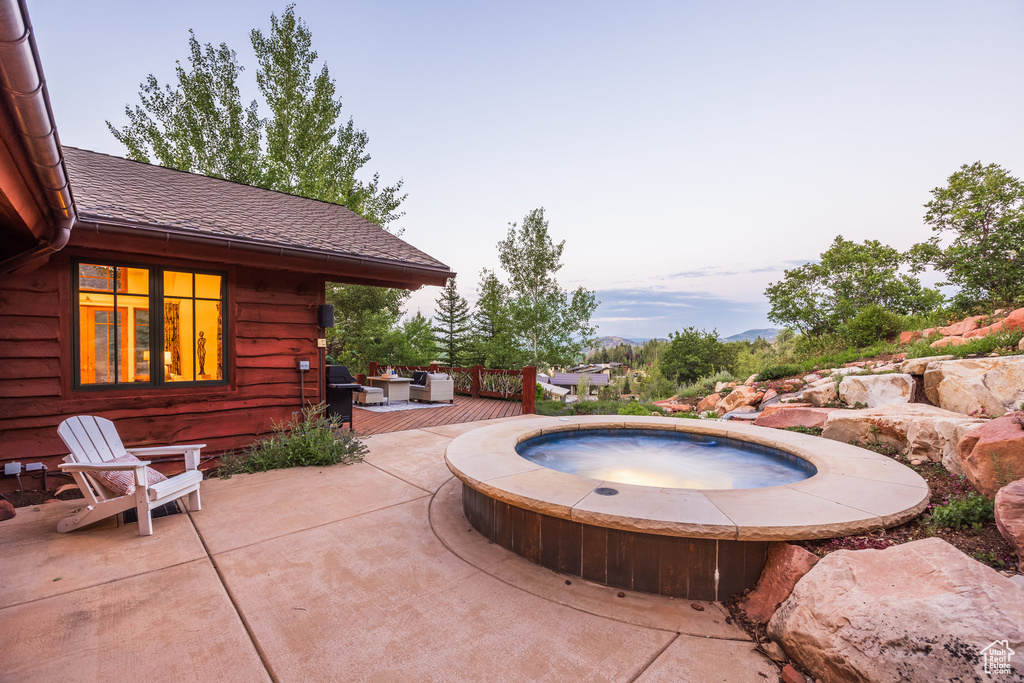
(93, 442)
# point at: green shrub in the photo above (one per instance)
(961, 513)
(778, 372)
(315, 440)
(871, 325)
(1004, 342)
(638, 408)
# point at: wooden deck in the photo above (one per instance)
(466, 409)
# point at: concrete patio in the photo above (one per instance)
(361, 572)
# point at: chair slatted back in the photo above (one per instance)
(91, 439)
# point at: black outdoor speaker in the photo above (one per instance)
(325, 315)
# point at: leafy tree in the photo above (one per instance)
(452, 325)
(817, 298)
(692, 354)
(200, 125)
(552, 327)
(982, 207)
(420, 347)
(365, 324)
(491, 343)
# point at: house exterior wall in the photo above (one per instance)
(270, 320)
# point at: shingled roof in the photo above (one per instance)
(109, 189)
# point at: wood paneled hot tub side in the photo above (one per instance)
(685, 543)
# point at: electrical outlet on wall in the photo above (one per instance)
(303, 365)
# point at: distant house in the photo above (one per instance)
(175, 304)
(571, 380)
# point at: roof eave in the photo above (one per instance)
(24, 96)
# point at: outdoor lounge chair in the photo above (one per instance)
(432, 387)
(94, 444)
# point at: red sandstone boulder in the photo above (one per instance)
(948, 341)
(985, 331)
(709, 402)
(909, 336)
(927, 332)
(786, 564)
(789, 416)
(1010, 515)
(921, 611)
(962, 327)
(6, 510)
(992, 454)
(1014, 320)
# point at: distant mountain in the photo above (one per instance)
(768, 334)
(609, 342)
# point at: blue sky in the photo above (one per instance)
(687, 152)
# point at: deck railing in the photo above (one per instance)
(478, 381)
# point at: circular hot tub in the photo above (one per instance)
(665, 531)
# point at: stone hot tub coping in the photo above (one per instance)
(854, 490)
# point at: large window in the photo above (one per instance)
(121, 342)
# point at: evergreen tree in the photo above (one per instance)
(452, 326)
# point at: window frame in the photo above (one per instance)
(156, 326)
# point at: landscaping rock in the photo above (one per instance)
(740, 396)
(964, 326)
(1010, 515)
(985, 331)
(992, 454)
(811, 378)
(791, 675)
(919, 431)
(768, 410)
(1014, 320)
(921, 611)
(708, 402)
(917, 366)
(802, 415)
(821, 394)
(909, 336)
(748, 413)
(875, 390)
(6, 510)
(985, 387)
(786, 564)
(750, 380)
(949, 341)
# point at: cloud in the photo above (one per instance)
(648, 312)
(715, 271)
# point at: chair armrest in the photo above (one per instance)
(165, 450)
(190, 451)
(141, 480)
(100, 466)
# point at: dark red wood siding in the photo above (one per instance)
(271, 321)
